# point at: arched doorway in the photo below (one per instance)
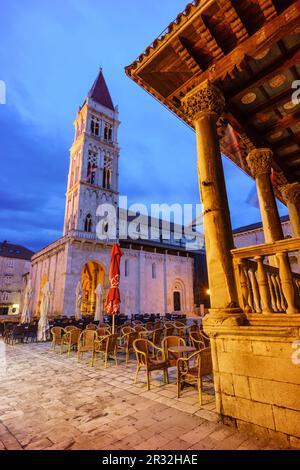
(179, 296)
(92, 274)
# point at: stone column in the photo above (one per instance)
(291, 196)
(259, 162)
(203, 106)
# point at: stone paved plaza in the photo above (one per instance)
(50, 401)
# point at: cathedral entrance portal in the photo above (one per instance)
(92, 275)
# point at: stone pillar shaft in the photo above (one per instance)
(259, 161)
(291, 196)
(203, 106)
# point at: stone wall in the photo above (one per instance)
(257, 377)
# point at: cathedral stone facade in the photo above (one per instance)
(156, 277)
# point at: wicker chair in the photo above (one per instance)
(169, 342)
(126, 329)
(205, 338)
(143, 349)
(86, 342)
(57, 335)
(187, 373)
(106, 346)
(126, 343)
(197, 340)
(70, 339)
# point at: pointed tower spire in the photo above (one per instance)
(99, 92)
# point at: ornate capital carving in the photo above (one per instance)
(291, 193)
(206, 98)
(260, 161)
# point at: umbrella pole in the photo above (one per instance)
(113, 325)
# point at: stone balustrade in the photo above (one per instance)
(263, 288)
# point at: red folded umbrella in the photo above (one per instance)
(113, 299)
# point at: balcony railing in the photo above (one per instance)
(263, 288)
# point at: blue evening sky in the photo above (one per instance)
(50, 52)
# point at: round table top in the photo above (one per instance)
(182, 349)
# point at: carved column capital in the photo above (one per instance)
(291, 193)
(204, 99)
(260, 161)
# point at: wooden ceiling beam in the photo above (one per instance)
(273, 31)
(233, 19)
(292, 139)
(208, 38)
(185, 55)
(267, 74)
(287, 121)
(268, 8)
(277, 100)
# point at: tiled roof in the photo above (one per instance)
(256, 226)
(9, 250)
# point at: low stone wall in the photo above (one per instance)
(257, 374)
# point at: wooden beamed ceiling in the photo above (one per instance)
(251, 50)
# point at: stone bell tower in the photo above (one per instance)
(94, 155)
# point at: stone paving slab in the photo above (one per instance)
(50, 401)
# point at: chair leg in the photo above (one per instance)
(116, 357)
(78, 355)
(178, 385)
(148, 380)
(69, 350)
(200, 390)
(166, 377)
(137, 373)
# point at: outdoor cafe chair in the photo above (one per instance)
(197, 340)
(57, 335)
(143, 349)
(86, 342)
(105, 347)
(191, 370)
(70, 339)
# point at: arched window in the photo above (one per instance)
(88, 223)
(153, 271)
(95, 126)
(177, 301)
(107, 173)
(92, 167)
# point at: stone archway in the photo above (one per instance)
(92, 274)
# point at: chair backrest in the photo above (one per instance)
(169, 342)
(70, 327)
(91, 326)
(126, 330)
(157, 336)
(205, 362)
(57, 332)
(130, 338)
(141, 347)
(103, 331)
(205, 339)
(139, 328)
(197, 340)
(148, 325)
(87, 338)
(73, 335)
(111, 343)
